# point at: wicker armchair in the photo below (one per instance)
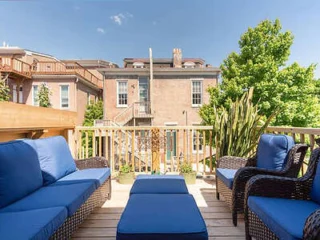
(246, 168)
(97, 199)
(287, 189)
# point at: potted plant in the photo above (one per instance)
(188, 174)
(126, 175)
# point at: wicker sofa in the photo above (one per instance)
(44, 193)
(276, 155)
(284, 208)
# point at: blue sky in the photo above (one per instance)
(115, 29)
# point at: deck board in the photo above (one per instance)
(102, 223)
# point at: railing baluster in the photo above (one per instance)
(127, 147)
(197, 145)
(100, 143)
(132, 150)
(112, 150)
(210, 151)
(191, 146)
(93, 144)
(107, 145)
(171, 149)
(140, 156)
(119, 137)
(204, 151)
(87, 145)
(177, 149)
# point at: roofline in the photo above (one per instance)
(42, 54)
(169, 60)
(160, 71)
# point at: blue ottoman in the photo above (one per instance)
(161, 216)
(167, 184)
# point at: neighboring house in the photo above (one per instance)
(72, 84)
(168, 93)
(160, 92)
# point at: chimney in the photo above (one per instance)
(177, 58)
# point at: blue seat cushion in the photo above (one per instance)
(20, 172)
(315, 190)
(97, 175)
(55, 158)
(226, 176)
(161, 216)
(159, 185)
(155, 176)
(284, 217)
(70, 196)
(35, 224)
(273, 151)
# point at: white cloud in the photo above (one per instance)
(119, 18)
(100, 30)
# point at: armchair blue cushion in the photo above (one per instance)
(315, 190)
(284, 217)
(36, 224)
(226, 176)
(97, 175)
(273, 150)
(55, 158)
(70, 196)
(20, 172)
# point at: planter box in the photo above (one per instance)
(190, 178)
(126, 178)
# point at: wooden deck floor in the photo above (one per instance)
(103, 222)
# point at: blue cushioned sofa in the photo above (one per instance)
(44, 193)
(277, 155)
(284, 208)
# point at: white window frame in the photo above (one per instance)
(35, 103)
(201, 82)
(122, 105)
(63, 85)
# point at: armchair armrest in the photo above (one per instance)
(279, 187)
(231, 162)
(94, 162)
(312, 226)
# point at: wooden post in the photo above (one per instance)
(155, 141)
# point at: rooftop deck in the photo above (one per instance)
(102, 224)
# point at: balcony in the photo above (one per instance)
(15, 67)
(20, 69)
(173, 145)
(59, 68)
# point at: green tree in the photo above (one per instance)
(4, 90)
(261, 63)
(93, 112)
(44, 94)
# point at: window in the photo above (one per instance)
(122, 100)
(14, 96)
(64, 96)
(197, 139)
(35, 101)
(196, 93)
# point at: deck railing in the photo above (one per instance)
(135, 110)
(138, 146)
(173, 145)
(15, 65)
(47, 67)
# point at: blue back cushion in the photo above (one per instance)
(273, 150)
(315, 191)
(20, 172)
(55, 158)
